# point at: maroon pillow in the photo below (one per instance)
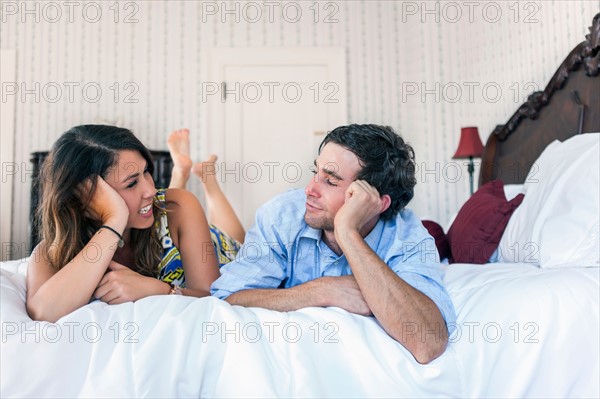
(478, 227)
(441, 243)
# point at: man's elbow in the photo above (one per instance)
(424, 344)
(429, 351)
(230, 300)
(221, 294)
(233, 299)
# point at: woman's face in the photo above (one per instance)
(133, 182)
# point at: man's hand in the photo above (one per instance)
(342, 292)
(362, 206)
(121, 284)
(345, 293)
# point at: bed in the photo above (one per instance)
(528, 324)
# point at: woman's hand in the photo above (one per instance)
(121, 284)
(106, 204)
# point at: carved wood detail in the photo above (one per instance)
(574, 108)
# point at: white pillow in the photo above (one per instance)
(557, 224)
(512, 190)
(18, 266)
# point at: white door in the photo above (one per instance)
(272, 110)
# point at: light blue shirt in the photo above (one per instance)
(282, 251)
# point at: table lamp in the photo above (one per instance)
(469, 146)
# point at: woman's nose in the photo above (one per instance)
(150, 188)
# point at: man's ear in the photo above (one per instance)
(386, 201)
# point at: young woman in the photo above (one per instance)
(108, 234)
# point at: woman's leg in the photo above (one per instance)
(220, 213)
(219, 210)
(179, 147)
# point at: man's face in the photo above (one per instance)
(335, 169)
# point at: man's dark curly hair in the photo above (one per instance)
(388, 162)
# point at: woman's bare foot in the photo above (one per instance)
(207, 172)
(179, 148)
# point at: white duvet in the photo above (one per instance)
(521, 331)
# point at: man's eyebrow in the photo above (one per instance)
(329, 172)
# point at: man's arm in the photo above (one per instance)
(341, 291)
(406, 314)
(253, 278)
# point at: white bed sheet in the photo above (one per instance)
(522, 331)
(526, 331)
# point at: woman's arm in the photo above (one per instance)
(190, 234)
(53, 294)
(121, 284)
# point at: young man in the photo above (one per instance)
(347, 241)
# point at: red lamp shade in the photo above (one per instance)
(470, 144)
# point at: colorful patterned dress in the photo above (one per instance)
(170, 269)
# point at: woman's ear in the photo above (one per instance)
(386, 201)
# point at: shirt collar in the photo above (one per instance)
(309, 232)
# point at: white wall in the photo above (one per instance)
(159, 58)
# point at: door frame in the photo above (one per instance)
(8, 73)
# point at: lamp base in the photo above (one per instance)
(471, 169)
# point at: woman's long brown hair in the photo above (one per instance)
(82, 152)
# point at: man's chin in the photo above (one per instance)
(318, 223)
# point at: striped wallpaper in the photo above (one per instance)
(425, 68)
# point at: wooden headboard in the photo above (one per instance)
(569, 105)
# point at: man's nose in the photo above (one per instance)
(312, 187)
